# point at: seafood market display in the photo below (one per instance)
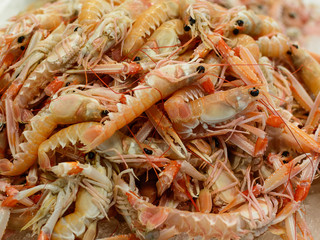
(188, 118)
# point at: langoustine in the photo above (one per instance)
(80, 108)
(193, 141)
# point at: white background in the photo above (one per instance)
(10, 8)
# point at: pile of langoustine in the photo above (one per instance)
(181, 117)
(297, 19)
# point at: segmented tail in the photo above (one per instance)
(72, 134)
(144, 98)
(276, 46)
(41, 128)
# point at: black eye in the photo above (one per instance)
(192, 21)
(136, 59)
(22, 48)
(285, 154)
(147, 151)
(254, 92)
(240, 23)
(67, 84)
(186, 28)
(104, 113)
(292, 15)
(91, 155)
(2, 126)
(235, 31)
(216, 142)
(296, 46)
(20, 39)
(76, 29)
(200, 69)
